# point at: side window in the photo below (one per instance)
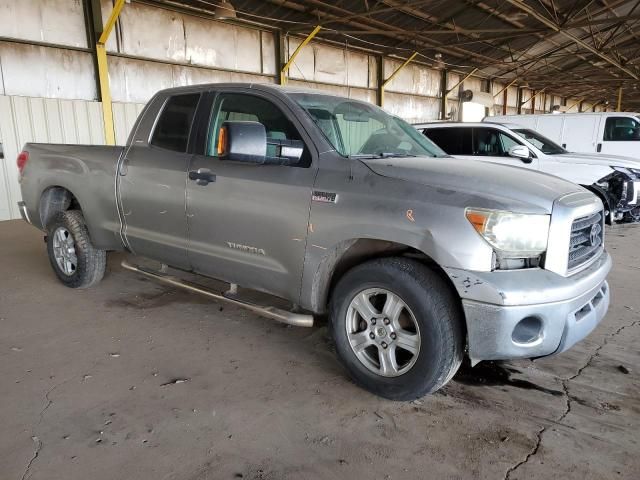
(242, 107)
(621, 129)
(507, 142)
(454, 141)
(174, 125)
(486, 142)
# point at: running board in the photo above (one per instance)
(290, 318)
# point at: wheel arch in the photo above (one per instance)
(56, 199)
(350, 253)
(602, 194)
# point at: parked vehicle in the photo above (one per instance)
(610, 133)
(615, 180)
(339, 208)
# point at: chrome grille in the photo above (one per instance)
(587, 234)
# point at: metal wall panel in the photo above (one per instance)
(50, 21)
(326, 64)
(124, 116)
(136, 81)
(414, 79)
(25, 119)
(36, 71)
(452, 79)
(412, 108)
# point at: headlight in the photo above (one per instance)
(513, 235)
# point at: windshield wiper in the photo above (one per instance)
(380, 155)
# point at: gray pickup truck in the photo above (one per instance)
(337, 207)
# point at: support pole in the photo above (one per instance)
(379, 79)
(391, 77)
(444, 80)
(532, 99)
(285, 70)
(446, 91)
(103, 73)
(519, 101)
(619, 107)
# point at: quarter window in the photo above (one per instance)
(174, 125)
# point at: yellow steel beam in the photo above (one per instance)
(507, 86)
(111, 22)
(534, 96)
(392, 76)
(462, 81)
(103, 73)
(285, 69)
(574, 104)
(619, 107)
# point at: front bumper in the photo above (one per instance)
(530, 313)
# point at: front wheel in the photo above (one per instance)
(74, 259)
(397, 328)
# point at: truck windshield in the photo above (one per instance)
(541, 142)
(361, 130)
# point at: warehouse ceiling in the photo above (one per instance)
(579, 48)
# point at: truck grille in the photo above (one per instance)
(586, 242)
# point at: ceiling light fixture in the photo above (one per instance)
(225, 11)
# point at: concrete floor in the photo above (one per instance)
(91, 387)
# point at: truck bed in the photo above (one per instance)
(88, 172)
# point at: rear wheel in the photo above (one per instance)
(397, 328)
(74, 259)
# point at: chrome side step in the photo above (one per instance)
(290, 318)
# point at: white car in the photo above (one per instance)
(616, 180)
(610, 133)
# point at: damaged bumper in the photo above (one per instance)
(622, 191)
(530, 313)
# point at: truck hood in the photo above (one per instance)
(504, 187)
(598, 159)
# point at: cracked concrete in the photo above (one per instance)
(82, 395)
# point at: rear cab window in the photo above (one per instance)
(173, 126)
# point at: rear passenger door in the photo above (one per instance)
(151, 183)
(455, 141)
(249, 226)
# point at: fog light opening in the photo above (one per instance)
(528, 331)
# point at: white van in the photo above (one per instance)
(613, 133)
(615, 180)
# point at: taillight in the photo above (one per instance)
(22, 160)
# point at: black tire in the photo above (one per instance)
(436, 310)
(91, 262)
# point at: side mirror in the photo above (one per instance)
(242, 142)
(521, 152)
(247, 142)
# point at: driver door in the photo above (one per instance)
(249, 225)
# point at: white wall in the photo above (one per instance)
(26, 119)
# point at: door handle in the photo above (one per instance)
(202, 176)
(599, 148)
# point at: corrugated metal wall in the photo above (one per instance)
(49, 120)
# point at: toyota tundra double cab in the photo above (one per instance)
(337, 208)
